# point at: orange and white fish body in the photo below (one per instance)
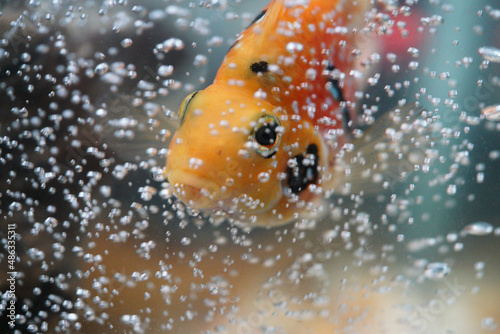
(260, 143)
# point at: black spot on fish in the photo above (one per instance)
(334, 86)
(347, 119)
(306, 170)
(261, 66)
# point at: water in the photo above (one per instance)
(103, 245)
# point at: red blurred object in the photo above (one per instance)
(405, 34)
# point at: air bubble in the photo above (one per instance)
(444, 75)
(195, 163)
(405, 10)
(452, 189)
(413, 65)
(389, 4)
(15, 206)
(414, 52)
(36, 254)
(112, 78)
(101, 69)
(311, 74)
(127, 42)
(494, 13)
(158, 174)
(489, 323)
(200, 60)
(21, 113)
(101, 112)
(147, 192)
(260, 94)
(294, 47)
(434, 20)
(170, 44)
(25, 57)
(264, 177)
(490, 53)
(51, 222)
(478, 228)
(165, 70)
(492, 113)
(436, 270)
(105, 191)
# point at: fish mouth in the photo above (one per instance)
(194, 190)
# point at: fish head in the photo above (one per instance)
(229, 152)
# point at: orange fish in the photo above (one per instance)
(262, 142)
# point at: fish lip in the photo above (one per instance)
(195, 190)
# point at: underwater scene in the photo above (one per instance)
(250, 166)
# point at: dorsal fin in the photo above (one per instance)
(264, 25)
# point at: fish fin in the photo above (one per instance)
(394, 146)
(136, 137)
(268, 21)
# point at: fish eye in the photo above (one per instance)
(266, 136)
(184, 105)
